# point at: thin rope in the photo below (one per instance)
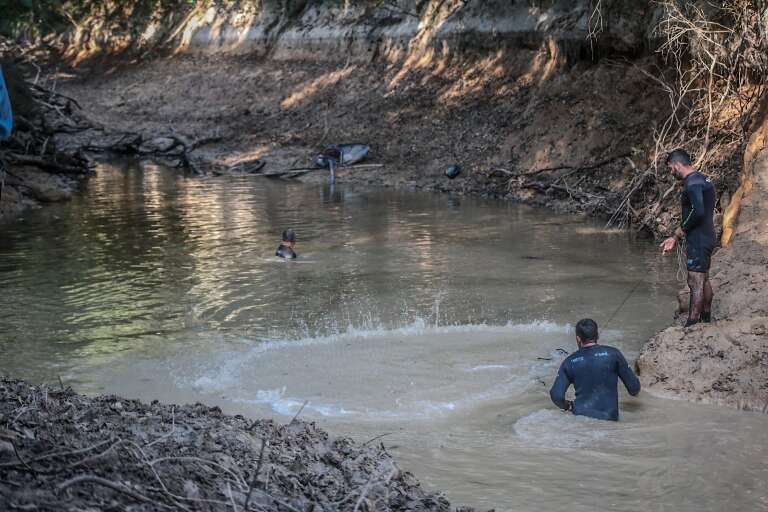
(682, 267)
(632, 291)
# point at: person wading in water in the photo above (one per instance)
(698, 228)
(594, 371)
(285, 249)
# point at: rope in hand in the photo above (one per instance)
(682, 268)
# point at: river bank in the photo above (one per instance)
(527, 100)
(518, 129)
(64, 451)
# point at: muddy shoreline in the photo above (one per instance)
(63, 451)
(520, 127)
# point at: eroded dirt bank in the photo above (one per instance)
(553, 103)
(519, 125)
(60, 451)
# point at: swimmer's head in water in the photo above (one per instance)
(289, 235)
(586, 331)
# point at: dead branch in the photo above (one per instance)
(255, 478)
(579, 167)
(93, 479)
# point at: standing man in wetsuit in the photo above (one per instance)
(698, 228)
(594, 371)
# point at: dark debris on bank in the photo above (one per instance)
(61, 451)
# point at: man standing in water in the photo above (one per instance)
(698, 228)
(285, 249)
(594, 371)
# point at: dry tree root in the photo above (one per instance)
(717, 55)
(32, 143)
(171, 146)
(52, 134)
(716, 60)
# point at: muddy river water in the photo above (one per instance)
(434, 322)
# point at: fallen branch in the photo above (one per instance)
(55, 94)
(93, 479)
(298, 171)
(581, 167)
(296, 416)
(255, 478)
(43, 163)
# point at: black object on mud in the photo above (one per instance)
(341, 154)
(452, 171)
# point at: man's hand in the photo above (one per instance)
(668, 244)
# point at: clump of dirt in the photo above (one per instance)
(60, 451)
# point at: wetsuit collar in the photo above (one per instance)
(691, 174)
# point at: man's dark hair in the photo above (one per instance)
(586, 329)
(680, 156)
(289, 235)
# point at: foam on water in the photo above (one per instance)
(484, 367)
(287, 406)
(231, 372)
(225, 370)
(547, 428)
(550, 428)
(278, 402)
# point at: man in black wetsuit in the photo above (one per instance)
(594, 371)
(698, 228)
(285, 250)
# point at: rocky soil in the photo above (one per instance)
(60, 451)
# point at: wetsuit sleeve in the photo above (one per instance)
(557, 393)
(627, 376)
(696, 215)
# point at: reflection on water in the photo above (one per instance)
(437, 320)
